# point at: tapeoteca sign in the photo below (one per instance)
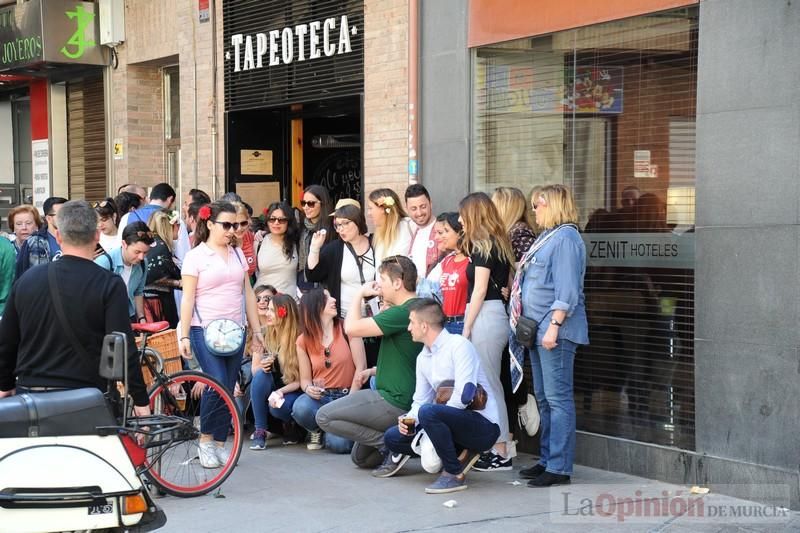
(299, 43)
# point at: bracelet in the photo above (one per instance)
(141, 318)
(187, 338)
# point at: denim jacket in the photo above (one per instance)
(37, 250)
(554, 281)
(136, 282)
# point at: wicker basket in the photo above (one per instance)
(166, 344)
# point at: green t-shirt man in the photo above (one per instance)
(397, 358)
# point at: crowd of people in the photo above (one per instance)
(388, 344)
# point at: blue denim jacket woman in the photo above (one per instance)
(552, 294)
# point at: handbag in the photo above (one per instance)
(224, 337)
(445, 390)
(526, 331)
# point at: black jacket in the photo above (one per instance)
(329, 270)
(34, 349)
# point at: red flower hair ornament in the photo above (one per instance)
(282, 312)
(204, 213)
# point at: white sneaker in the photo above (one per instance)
(223, 455)
(528, 416)
(315, 440)
(208, 455)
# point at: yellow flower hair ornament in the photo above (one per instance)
(387, 202)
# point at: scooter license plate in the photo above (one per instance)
(101, 509)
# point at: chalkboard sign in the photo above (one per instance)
(340, 173)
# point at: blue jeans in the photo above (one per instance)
(260, 388)
(456, 328)
(305, 412)
(215, 418)
(553, 386)
(450, 430)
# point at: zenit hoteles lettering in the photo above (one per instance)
(298, 43)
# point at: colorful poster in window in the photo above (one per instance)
(594, 90)
(513, 88)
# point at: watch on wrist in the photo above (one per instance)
(555, 322)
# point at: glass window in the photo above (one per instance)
(609, 110)
(172, 103)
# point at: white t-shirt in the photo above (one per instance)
(275, 269)
(401, 243)
(109, 242)
(126, 273)
(351, 278)
(419, 248)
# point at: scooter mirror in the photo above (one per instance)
(114, 356)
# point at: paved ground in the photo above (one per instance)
(290, 489)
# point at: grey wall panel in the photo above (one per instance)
(748, 49)
(444, 101)
(748, 241)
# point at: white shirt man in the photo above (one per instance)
(423, 247)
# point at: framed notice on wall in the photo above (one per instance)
(256, 162)
(259, 195)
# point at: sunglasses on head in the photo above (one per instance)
(309, 203)
(97, 205)
(227, 226)
(148, 234)
(277, 220)
(327, 357)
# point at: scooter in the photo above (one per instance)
(64, 465)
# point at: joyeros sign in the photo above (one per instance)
(299, 43)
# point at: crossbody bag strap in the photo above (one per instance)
(58, 306)
(358, 261)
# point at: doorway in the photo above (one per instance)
(317, 143)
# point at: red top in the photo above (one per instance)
(342, 368)
(454, 285)
(249, 252)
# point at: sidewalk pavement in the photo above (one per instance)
(291, 489)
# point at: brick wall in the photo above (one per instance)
(160, 34)
(385, 95)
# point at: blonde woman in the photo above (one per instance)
(163, 274)
(245, 238)
(516, 216)
(276, 371)
(548, 289)
(393, 234)
(486, 244)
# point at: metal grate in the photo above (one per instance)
(340, 74)
(602, 109)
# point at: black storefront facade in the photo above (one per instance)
(294, 81)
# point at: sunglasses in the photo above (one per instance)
(309, 203)
(244, 223)
(97, 205)
(266, 298)
(327, 357)
(277, 220)
(343, 224)
(148, 234)
(227, 226)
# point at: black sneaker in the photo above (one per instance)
(548, 479)
(392, 463)
(532, 472)
(492, 462)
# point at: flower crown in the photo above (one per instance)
(204, 213)
(386, 202)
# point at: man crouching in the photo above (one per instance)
(458, 433)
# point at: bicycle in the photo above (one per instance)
(181, 403)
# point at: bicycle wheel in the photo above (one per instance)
(198, 399)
